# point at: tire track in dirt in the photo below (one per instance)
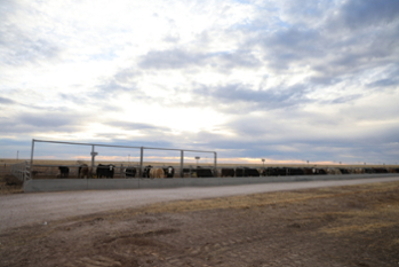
(96, 261)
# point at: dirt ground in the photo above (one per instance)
(336, 226)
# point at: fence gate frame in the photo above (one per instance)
(142, 148)
(22, 171)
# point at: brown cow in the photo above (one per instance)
(83, 171)
(157, 173)
(333, 171)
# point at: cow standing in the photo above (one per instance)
(157, 173)
(170, 172)
(83, 171)
(64, 171)
(146, 172)
(204, 172)
(106, 171)
(226, 172)
(130, 172)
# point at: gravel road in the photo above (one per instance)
(33, 208)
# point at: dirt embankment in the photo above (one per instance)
(340, 226)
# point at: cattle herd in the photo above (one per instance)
(108, 171)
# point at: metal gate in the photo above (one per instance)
(22, 171)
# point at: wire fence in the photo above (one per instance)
(141, 164)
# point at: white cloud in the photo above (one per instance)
(281, 79)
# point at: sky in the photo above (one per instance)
(283, 80)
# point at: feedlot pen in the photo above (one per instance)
(47, 185)
(46, 177)
(93, 154)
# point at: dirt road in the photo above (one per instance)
(355, 225)
(22, 209)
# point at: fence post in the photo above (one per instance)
(215, 161)
(93, 155)
(181, 162)
(141, 161)
(31, 158)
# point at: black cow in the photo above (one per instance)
(284, 171)
(369, 170)
(239, 172)
(226, 172)
(169, 171)
(106, 171)
(203, 172)
(146, 172)
(344, 171)
(276, 171)
(247, 172)
(64, 171)
(131, 172)
(251, 172)
(294, 171)
(188, 172)
(380, 170)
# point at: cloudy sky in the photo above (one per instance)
(284, 80)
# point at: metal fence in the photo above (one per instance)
(142, 149)
(21, 170)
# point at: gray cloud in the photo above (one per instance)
(134, 126)
(345, 99)
(171, 59)
(346, 39)
(28, 124)
(390, 78)
(180, 58)
(19, 47)
(291, 45)
(6, 101)
(285, 138)
(275, 98)
(364, 13)
(111, 88)
(47, 120)
(74, 98)
(139, 142)
(123, 80)
(393, 81)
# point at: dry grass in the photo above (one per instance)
(276, 199)
(9, 189)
